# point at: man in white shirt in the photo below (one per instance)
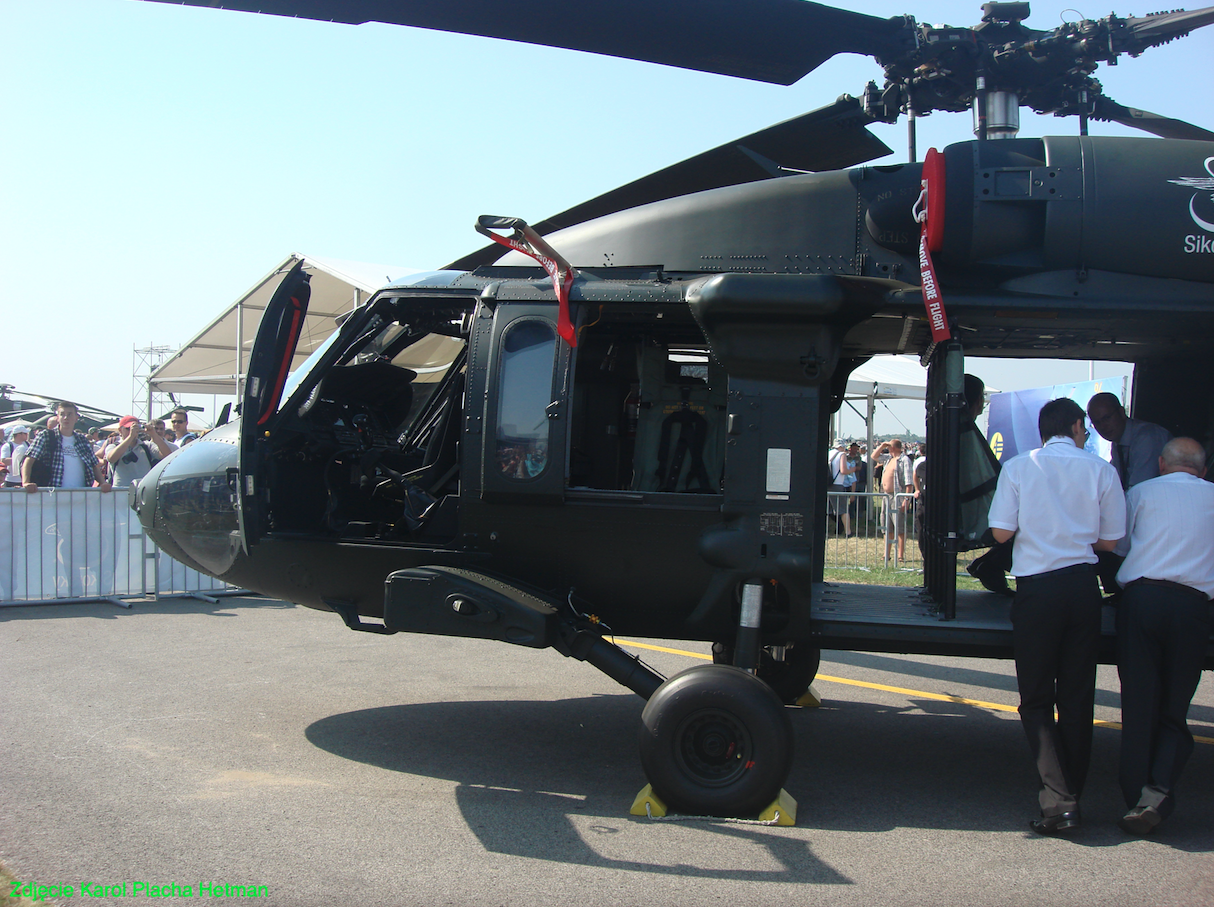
(67, 454)
(13, 452)
(1163, 627)
(1060, 504)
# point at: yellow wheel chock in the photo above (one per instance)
(810, 699)
(782, 811)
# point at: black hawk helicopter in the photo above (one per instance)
(615, 420)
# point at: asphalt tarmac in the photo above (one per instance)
(198, 747)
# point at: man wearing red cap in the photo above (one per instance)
(132, 458)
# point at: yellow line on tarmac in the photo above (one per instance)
(918, 694)
(644, 645)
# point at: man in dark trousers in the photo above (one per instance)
(1060, 504)
(1163, 627)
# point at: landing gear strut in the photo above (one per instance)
(789, 676)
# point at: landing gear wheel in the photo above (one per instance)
(790, 677)
(716, 741)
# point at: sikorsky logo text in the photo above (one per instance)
(1201, 206)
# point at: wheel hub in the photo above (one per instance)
(714, 747)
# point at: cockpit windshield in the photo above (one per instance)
(379, 331)
(296, 377)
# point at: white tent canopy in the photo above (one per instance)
(884, 378)
(889, 378)
(214, 362)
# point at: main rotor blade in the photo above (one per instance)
(830, 138)
(776, 41)
(1164, 127)
(1141, 32)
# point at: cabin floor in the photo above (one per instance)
(906, 619)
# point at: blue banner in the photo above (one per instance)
(1011, 422)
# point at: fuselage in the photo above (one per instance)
(447, 425)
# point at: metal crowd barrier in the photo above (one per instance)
(77, 545)
(867, 549)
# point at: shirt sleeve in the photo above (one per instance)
(1143, 451)
(1112, 505)
(1123, 546)
(35, 450)
(1005, 505)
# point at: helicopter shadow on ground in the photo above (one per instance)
(106, 610)
(947, 765)
(525, 769)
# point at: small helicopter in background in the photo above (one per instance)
(615, 420)
(35, 409)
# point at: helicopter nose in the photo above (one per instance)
(185, 503)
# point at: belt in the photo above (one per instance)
(1167, 584)
(1055, 574)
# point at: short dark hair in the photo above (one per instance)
(1057, 417)
(975, 390)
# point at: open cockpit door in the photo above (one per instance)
(269, 364)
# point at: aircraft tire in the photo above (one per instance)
(789, 678)
(716, 741)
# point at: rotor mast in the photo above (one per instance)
(997, 110)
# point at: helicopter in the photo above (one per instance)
(615, 420)
(34, 409)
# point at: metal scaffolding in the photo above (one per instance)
(145, 401)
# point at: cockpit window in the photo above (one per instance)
(430, 357)
(296, 377)
(408, 346)
(528, 359)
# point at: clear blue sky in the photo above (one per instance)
(157, 160)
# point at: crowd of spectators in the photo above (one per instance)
(59, 455)
(850, 468)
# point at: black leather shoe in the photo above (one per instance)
(992, 580)
(1141, 820)
(1062, 823)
